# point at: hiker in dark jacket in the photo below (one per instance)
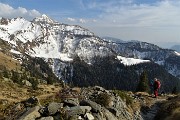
(156, 86)
(151, 86)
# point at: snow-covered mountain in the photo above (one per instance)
(143, 50)
(44, 37)
(49, 39)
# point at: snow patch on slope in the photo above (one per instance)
(14, 51)
(131, 61)
(50, 49)
(160, 62)
(19, 29)
(177, 53)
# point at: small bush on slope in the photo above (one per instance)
(124, 96)
(103, 99)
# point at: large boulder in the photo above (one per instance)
(54, 107)
(77, 110)
(71, 102)
(31, 114)
(95, 107)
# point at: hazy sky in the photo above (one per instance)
(154, 21)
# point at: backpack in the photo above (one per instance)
(158, 84)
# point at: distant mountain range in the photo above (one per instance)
(176, 47)
(77, 56)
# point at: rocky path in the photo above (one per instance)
(151, 112)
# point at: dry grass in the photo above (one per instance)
(8, 62)
(11, 93)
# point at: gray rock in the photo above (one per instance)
(98, 116)
(47, 118)
(17, 107)
(89, 116)
(74, 117)
(71, 102)
(58, 116)
(95, 107)
(108, 115)
(114, 111)
(31, 114)
(98, 88)
(105, 115)
(77, 110)
(54, 107)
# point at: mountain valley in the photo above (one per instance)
(66, 47)
(45, 59)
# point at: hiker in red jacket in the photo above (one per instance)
(156, 86)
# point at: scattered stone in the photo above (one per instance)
(80, 118)
(72, 108)
(27, 83)
(89, 116)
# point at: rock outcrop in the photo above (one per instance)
(92, 103)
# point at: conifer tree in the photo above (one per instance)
(50, 80)
(143, 85)
(15, 77)
(174, 91)
(34, 83)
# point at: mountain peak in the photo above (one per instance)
(44, 18)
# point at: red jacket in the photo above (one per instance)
(157, 84)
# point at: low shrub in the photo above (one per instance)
(124, 96)
(103, 99)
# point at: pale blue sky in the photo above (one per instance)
(154, 21)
